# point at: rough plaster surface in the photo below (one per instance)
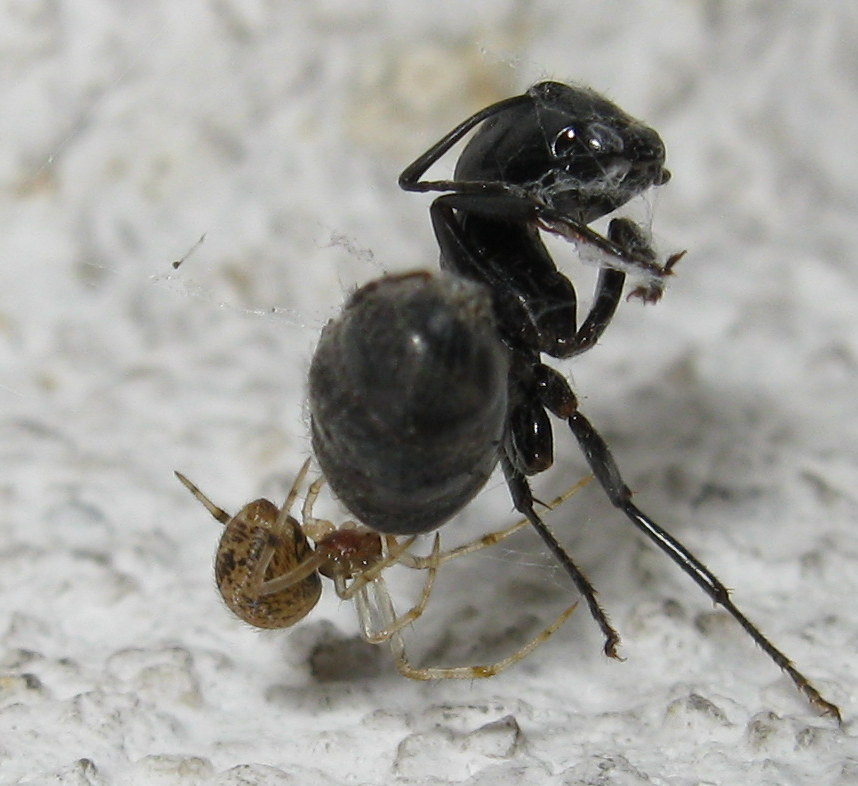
(277, 129)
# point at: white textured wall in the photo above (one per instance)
(129, 129)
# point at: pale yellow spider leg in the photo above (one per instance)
(372, 572)
(244, 583)
(314, 528)
(383, 604)
(422, 563)
(290, 497)
(397, 647)
(315, 560)
(299, 572)
(367, 612)
(256, 583)
(219, 513)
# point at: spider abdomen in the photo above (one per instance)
(247, 538)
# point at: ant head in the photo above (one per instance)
(598, 157)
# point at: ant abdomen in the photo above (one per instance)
(408, 399)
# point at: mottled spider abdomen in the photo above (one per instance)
(241, 556)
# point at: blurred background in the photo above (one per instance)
(258, 144)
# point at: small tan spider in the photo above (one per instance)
(268, 572)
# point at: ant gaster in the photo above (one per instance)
(556, 158)
(408, 400)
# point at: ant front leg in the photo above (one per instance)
(531, 295)
(625, 249)
(560, 400)
(637, 258)
(534, 303)
(609, 288)
(626, 233)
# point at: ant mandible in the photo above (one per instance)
(557, 158)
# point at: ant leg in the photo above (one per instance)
(609, 289)
(528, 291)
(626, 233)
(635, 260)
(532, 292)
(514, 204)
(397, 647)
(560, 399)
(456, 252)
(522, 498)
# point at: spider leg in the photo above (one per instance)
(373, 602)
(312, 563)
(256, 585)
(422, 563)
(397, 647)
(218, 513)
(290, 497)
(373, 571)
(314, 528)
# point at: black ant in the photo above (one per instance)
(398, 390)
(555, 158)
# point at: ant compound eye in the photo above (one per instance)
(603, 139)
(565, 142)
(597, 139)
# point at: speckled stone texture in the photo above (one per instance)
(276, 130)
